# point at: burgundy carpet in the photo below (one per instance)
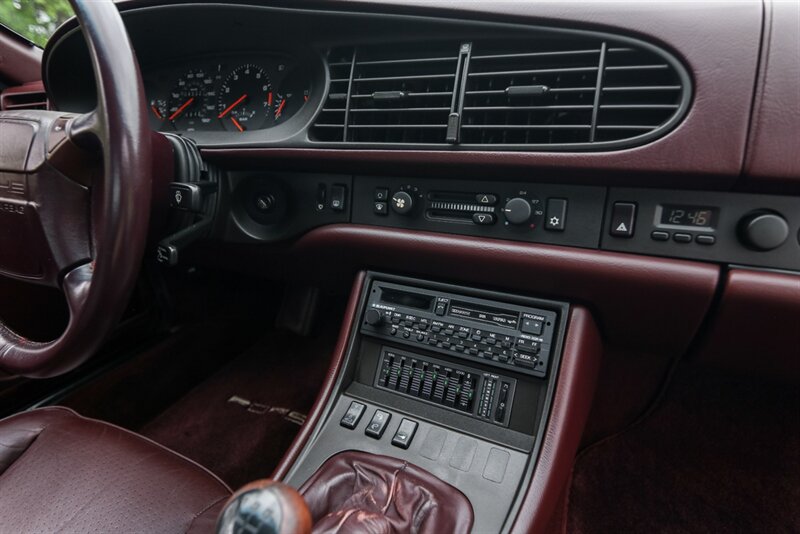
(235, 423)
(720, 454)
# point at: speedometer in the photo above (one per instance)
(244, 99)
(191, 101)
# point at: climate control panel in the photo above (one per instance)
(540, 213)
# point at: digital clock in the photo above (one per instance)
(688, 216)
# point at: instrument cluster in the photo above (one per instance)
(234, 94)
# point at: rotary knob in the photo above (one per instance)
(763, 230)
(517, 210)
(373, 317)
(402, 203)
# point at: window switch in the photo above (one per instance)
(405, 433)
(378, 423)
(353, 415)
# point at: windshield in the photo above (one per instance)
(35, 20)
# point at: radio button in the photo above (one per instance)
(524, 359)
(532, 326)
(527, 345)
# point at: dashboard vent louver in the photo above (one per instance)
(20, 98)
(558, 90)
(329, 125)
(402, 94)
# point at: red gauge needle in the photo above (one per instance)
(156, 112)
(269, 98)
(280, 108)
(236, 123)
(180, 109)
(229, 108)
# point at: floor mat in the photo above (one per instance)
(239, 422)
(720, 454)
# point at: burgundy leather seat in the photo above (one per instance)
(60, 472)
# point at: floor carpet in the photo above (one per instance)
(240, 421)
(721, 453)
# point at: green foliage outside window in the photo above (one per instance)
(36, 20)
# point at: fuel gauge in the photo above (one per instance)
(293, 93)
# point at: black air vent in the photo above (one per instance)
(402, 94)
(558, 90)
(329, 126)
(21, 98)
(567, 92)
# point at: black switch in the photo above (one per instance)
(405, 433)
(378, 423)
(486, 199)
(381, 208)
(381, 194)
(623, 219)
(556, 214)
(483, 218)
(185, 196)
(322, 195)
(531, 325)
(353, 415)
(338, 194)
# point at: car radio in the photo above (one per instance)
(499, 334)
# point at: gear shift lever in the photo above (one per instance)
(265, 507)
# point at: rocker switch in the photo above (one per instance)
(378, 423)
(353, 415)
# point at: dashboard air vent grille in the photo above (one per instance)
(23, 97)
(557, 90)
(402, 94)
(329, 125)
(640, 93)
(567, 92)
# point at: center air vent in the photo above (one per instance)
(554, 91)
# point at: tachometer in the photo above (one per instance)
(244, 99)
(191, 102)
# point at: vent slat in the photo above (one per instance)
(523, 55)
(531, 71)
(402, 78)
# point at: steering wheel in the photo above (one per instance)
(75, 193)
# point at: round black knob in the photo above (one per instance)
(402, 202)
(763, 230)
(517, 210)
(265, 202)
(373, 317)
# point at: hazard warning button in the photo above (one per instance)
(623, 219)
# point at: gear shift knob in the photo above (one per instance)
(265, 507)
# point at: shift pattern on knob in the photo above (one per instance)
(517, 210)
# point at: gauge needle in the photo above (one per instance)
(229, 108)
(156, 112)
(269, 98)
(236, 123)
(280, 108)
(180, 109)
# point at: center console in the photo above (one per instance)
(455, 380)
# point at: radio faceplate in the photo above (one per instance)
(500, 334)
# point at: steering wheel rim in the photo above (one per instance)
(96, 287)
